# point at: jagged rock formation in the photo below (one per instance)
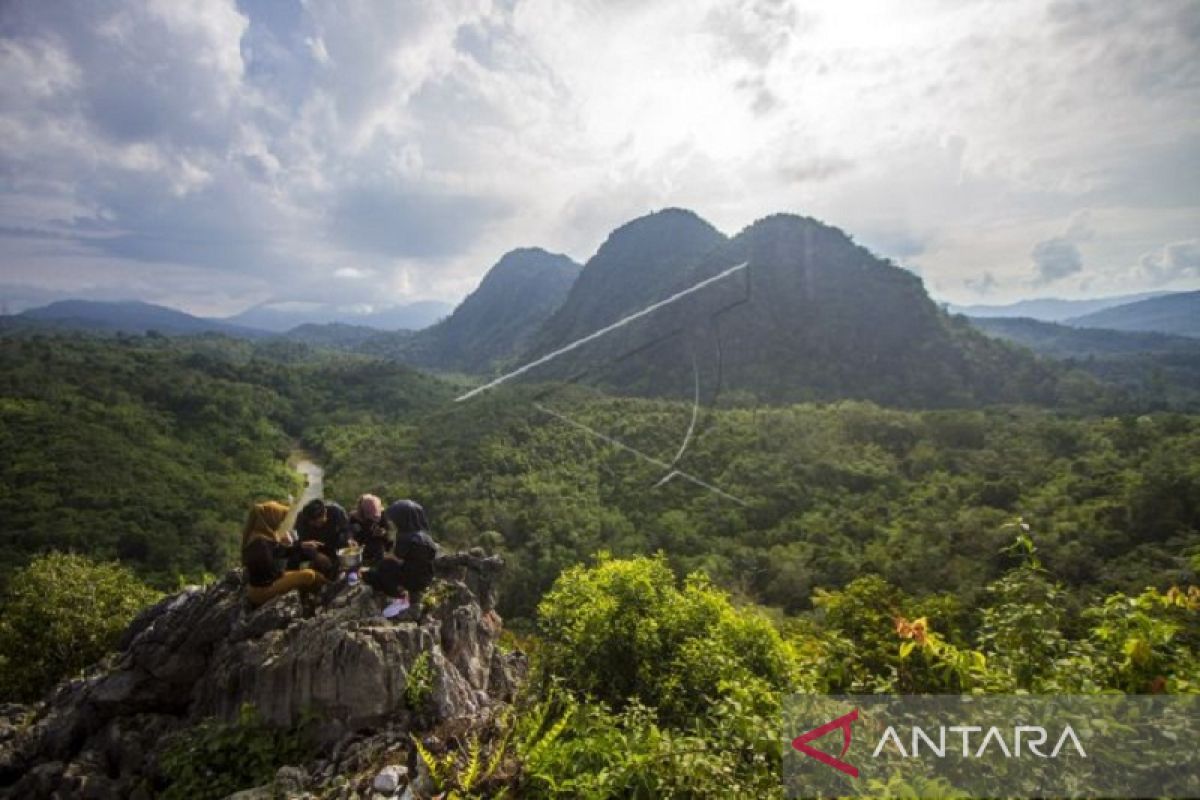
(204, 653)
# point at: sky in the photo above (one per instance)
(216, 155)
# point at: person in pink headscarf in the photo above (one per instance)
(367, 527)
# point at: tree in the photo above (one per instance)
(60, 614)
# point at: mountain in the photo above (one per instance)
(127, 317)
(1177, 313)
(1064, 341)
(640, 263)
(1158, 370)
(495, 321)
(810, 316)
(1050, 309)
(282, 317)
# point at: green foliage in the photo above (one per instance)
(570, 748)
(475, 771)
(215, 759)
(832, 493)
(622, 632)
(418, 685)
(1027, 638)
(60, 614)
(653, 689)
(149, 450)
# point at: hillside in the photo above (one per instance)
(149, 450)
(1156, 370)
(1177, 313)
(496, 321)
(811, 315)
(639, 263)
(126, 317)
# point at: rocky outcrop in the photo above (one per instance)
(205, 653)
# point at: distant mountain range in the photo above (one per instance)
(1050, 309)
(124, 317)
(1177, 313)
(135, 317)
(282, 317)
(1157, 369)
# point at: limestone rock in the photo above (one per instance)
(204, 652)
(390, 779)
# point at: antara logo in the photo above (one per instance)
(844, 722)
(1025, 737)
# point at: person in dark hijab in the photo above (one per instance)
(409, 567)
(263, 547)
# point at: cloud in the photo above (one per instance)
(269, 145)
(983, 285)
(1055, 259)
(1173, 262)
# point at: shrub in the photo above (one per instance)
(215, 759)
(622, 633)
(60, 614)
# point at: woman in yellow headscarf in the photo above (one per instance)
(263, 545)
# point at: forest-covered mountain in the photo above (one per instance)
(640, 263)
(496, 321)
(122, 317)
(810, 315)
(1157, 370)
(1177, 313)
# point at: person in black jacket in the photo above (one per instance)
(326, 527)
(409, 567)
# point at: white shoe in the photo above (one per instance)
(395, 608)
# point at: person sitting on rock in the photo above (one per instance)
(264, 547)
(367, 528)
(409, 567)
(325, 527)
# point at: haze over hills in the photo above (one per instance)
(1177, 313)
(1050, 309)
(281, 317)
(496, 321)
(126, 317)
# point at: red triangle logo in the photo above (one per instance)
(844, 722)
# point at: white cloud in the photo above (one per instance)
(1175, 261)
(276, 143)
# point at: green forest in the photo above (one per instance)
(838, 547)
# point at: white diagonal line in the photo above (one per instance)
(597, 334)
(657, 462)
